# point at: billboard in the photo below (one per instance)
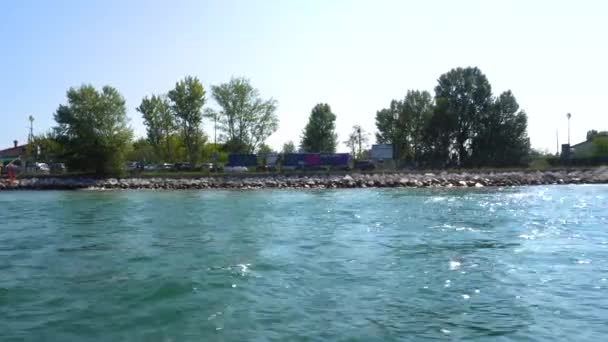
(382, 152)
(271, 159)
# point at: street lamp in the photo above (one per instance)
(359, 134)
(568, 116)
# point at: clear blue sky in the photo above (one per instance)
(355, 55)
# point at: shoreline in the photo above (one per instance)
(444, 179)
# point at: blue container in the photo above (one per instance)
(335, 160)
(247, 160)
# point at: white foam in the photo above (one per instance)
(454, 265)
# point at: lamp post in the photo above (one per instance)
(31, 136)
(568, 116)
(359, 133)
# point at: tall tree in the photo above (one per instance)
(466, 95)
(501, 138)
(416, 110)
(600, 146)
(403, 124)
(358, 141)
(93, 127)
(319, 134)
(289, 147)
(160, 124)
(245, 118)
(188, 98)
(390, 129)
(591, 134)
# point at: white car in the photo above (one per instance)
(42, 168)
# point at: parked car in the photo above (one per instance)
(166, 166)
(364, 165)
(58, 168)
(184, 167)
(42, 168)
(152, 167)
(132, 166)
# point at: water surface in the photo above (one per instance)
(515, 264)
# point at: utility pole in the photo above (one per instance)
(215, 130)
(30, 138)
(359, 133)
(556, 142)
(568, 116)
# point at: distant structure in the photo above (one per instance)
(582, 150)
(381, 152)
(30, 137)
(11, 154)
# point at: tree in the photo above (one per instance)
(188, 98)
(501, 139)
(358, 142)
(289, 147)
(466, 95)
(245, 118)
(403, 124)
(160, 124)
(319, 134)
(45, 148)
(142, 151)
(600, 146)
(93, 129)
(591, 134)
(390, 130)
(264, 149)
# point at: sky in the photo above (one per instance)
(355, 55)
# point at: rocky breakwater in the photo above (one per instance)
(318, 181)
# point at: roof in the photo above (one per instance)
(582, 144)
(13, 151)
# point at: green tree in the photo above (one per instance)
(403, 124)
(501, 138)
(187, 100)
(160, 124)
(591, 134)
(466, 95)
(600, 146)
(142, 151)
(390, 127)
(45, 148)
(245, 118)
(93, 128)
(438, 137)
(288, 147)
(358, 142)
(319, 134)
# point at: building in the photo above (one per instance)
(582, 150)
(10, 154)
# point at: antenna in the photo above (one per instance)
(31, 136)
(557, 142)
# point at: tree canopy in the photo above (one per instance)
(403, 124)
(288, 147)
(357, 142)
(187, 100)
(245, 118)
(93, 127)
(160, 124)
(319, 134)
(463, 125)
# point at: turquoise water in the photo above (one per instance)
(518, 264)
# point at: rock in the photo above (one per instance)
(462, 183)
(478, 185)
